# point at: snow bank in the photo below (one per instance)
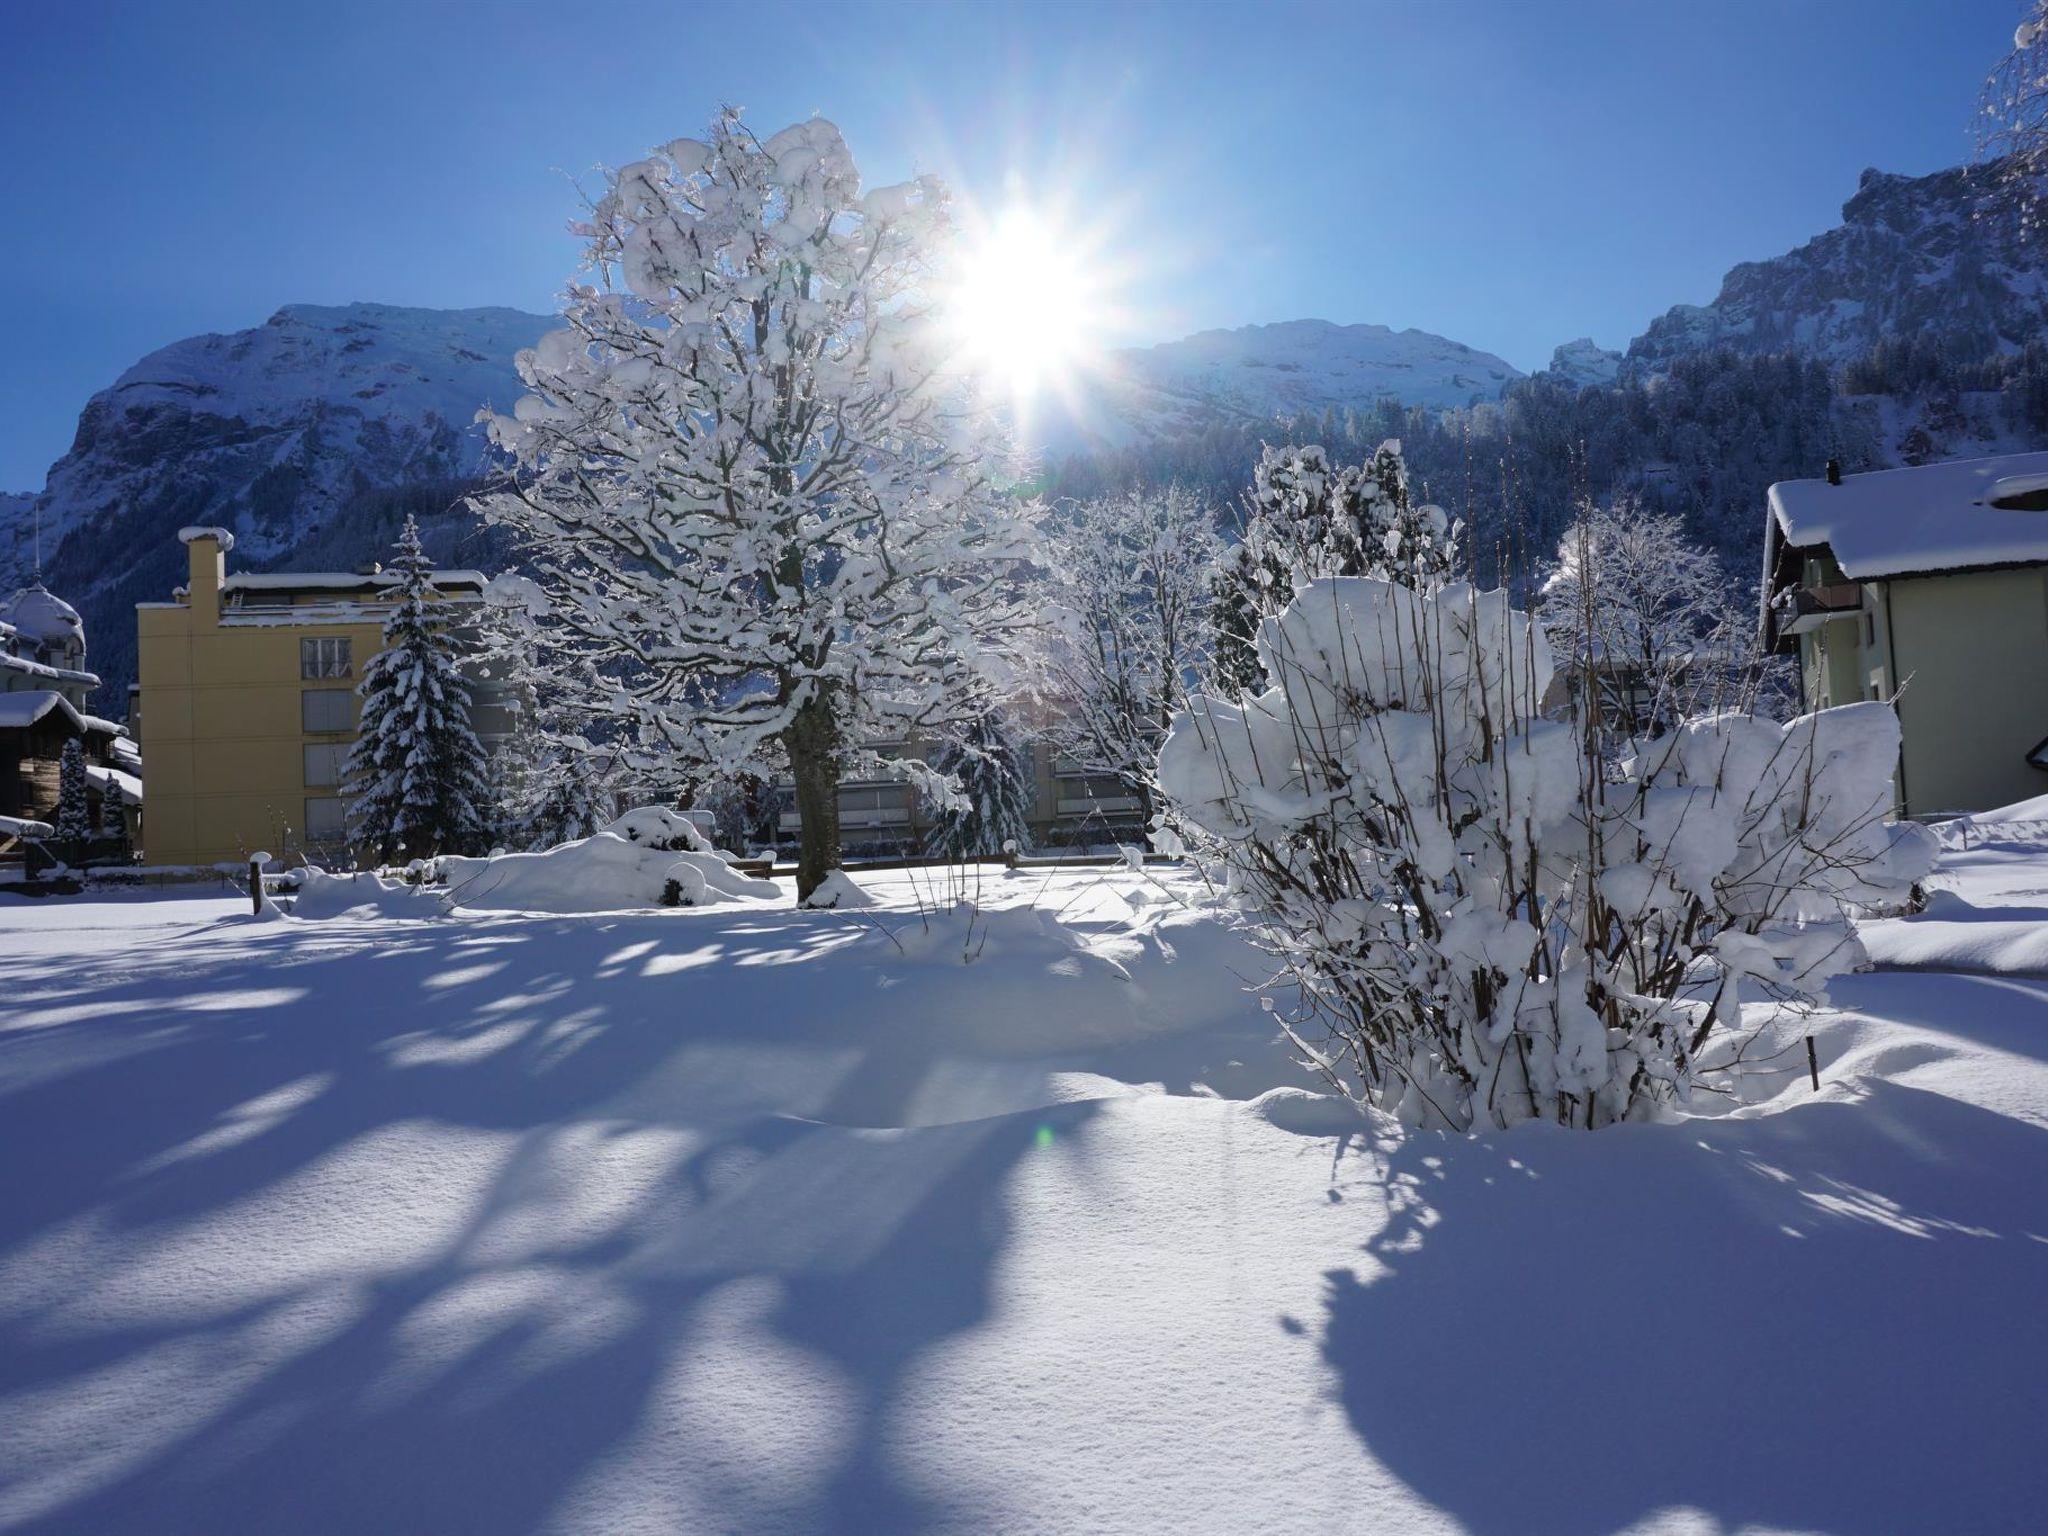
(321, 896)
(604, 873)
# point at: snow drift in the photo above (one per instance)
(604, 873)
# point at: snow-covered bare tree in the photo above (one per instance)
(1132, 578)
(745, 481)
(550, 783)
(1654, 630)
(73, 825)
(2012, 138)
(415, 778)
(1306, 518)
(1491, 922)
(991, 806)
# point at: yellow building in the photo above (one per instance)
(247, 704)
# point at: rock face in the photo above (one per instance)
(289, 434)
(1584, 362)
(1934, 257)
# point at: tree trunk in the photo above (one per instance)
(812, 741)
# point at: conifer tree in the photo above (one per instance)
(74, 815)
(416, 778)
(1306, 519)
(993, 769)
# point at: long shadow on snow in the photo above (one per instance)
(1826, 1318)
(881, 1244)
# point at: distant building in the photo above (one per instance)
(247, 707)
(1931, 583)
(44, 693)
(884, 814)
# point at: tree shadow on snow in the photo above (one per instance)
(1827, 1318)
(479, 1371)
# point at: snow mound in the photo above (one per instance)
(322, 896)
(657, 826)
(604, 873)
(837, 893)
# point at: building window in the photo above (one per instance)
(325, 658)
(327, 709)
(325, 819)
(324, 763)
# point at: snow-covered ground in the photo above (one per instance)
(752, 1219)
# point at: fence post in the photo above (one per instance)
(256, 863)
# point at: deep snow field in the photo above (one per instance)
(750, 1219)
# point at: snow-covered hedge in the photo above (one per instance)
(1495, 925)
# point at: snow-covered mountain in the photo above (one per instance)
(1929, 257)
(1584, 361)
(1259, 372)
(281, 432)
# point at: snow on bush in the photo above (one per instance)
(656, 826)
(605, 873)
(1494, 925)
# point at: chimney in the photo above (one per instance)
(206, 552)
(1834, 471)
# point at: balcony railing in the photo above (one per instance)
(1799, 609)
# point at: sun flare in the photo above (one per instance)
(1025, 312)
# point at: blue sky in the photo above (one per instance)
(1505, 172)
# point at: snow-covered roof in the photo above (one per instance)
(41, 617)
(124, 785)
(21, 710)
(33, 668)
(1937, 517)
(341, 581)
(199, 531)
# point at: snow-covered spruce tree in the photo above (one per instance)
(415, 778)
(1306, 518)
(1649, 621)
(1132, 578)
(73, 825)
(991, 806)
(1491, 922)
(743, 480)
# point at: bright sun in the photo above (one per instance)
(1024, 310)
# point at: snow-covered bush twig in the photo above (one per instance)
(1492, 922)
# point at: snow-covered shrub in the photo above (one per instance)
(659, 826)
(604, 873)
(1494, 923)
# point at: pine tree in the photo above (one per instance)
(993, 770)
(416, 778)
(74, 814)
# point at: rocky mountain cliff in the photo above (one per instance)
(285, 433)
(1933, 257)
